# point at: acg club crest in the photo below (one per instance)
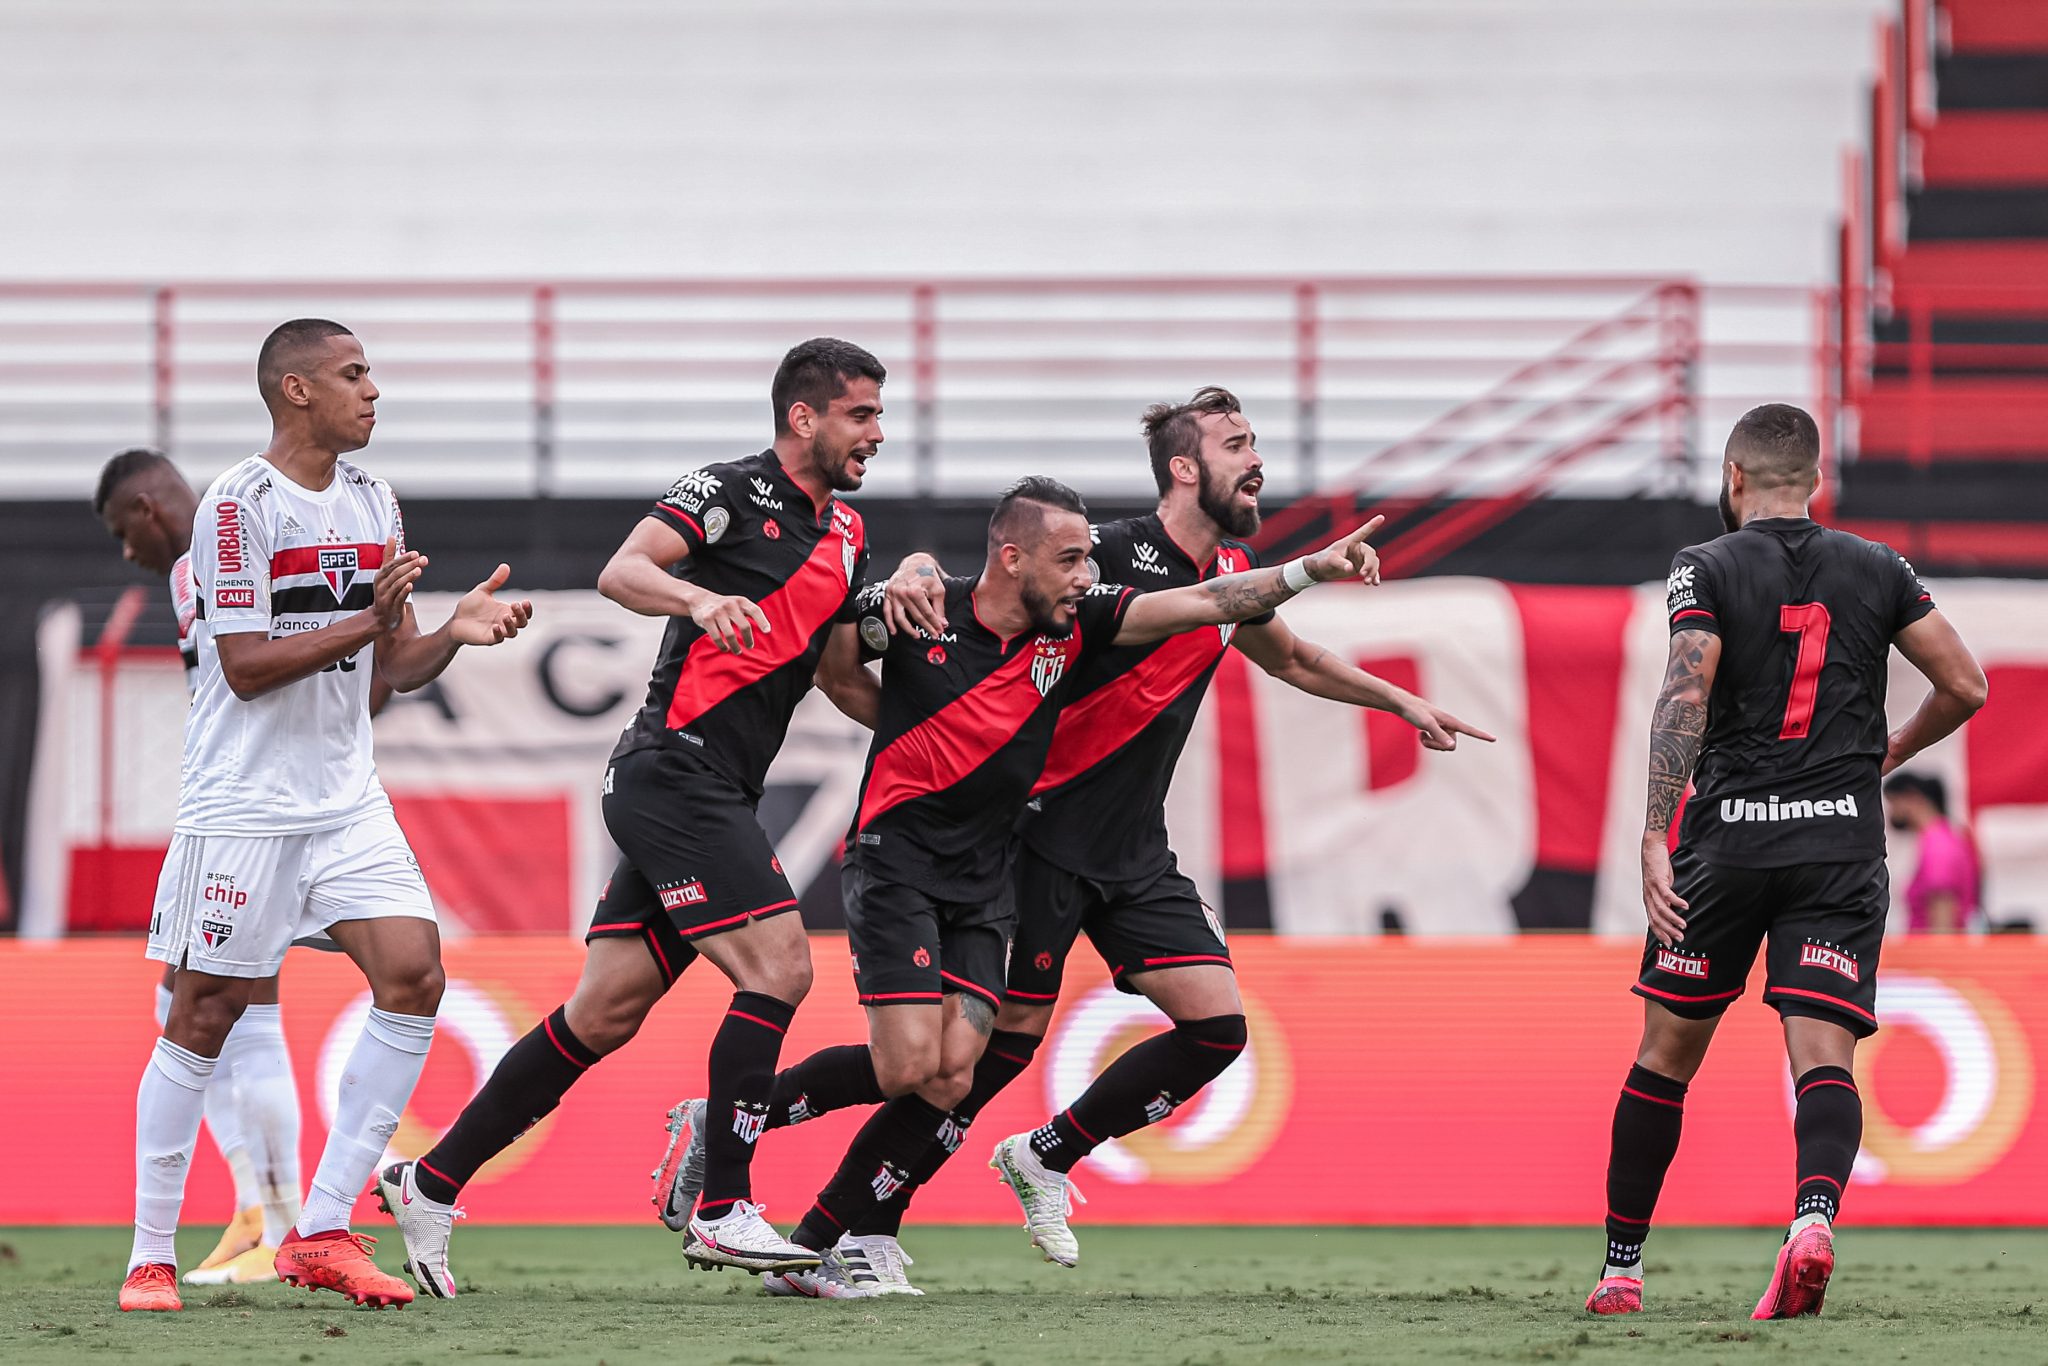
(339, 567)
(1047, 665)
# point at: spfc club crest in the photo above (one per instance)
(338, 566)
(1047, 666)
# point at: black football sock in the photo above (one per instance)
(830, 1079)
(1827, 1122)
(1143, 1086)
(1647, 1119)
(1006, 1058)
(743, 1056)
(876, 1167)
(525, 1086)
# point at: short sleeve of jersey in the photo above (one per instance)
(395, 532)
(1690, 593)
(699, 507)
(871, 626)
(231, 566)
(1100, 615)
(1910, 599)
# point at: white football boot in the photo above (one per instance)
(888, 1260)
(425, 1226)
(842, 1274)
(745, 1240)
(1047, 1197)
(679, 1179)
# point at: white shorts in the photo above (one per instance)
(231, 905)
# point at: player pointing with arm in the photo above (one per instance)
(1772, 708)
(283, 831)
(1094, 852)
(967, 717)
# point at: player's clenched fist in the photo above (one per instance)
(1350, 558)
(731, 622)
(480, 619)
(393, 588)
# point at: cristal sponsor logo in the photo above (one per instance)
(686, 894)
(228, 537)
(749, 1121)
(1146, 558)
(1735, 811)
(1682, 964)
(1678, 589)
(1816, 955)
(690, 491)
(764, 495)
(221, 891)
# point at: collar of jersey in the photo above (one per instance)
(775, 463)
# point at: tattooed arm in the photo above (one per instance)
(1239, 597)
(1678, 726)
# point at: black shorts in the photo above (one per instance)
(1824, 923)
(911, 949)
(1142, 926)
(693, 857)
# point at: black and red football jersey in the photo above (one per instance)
(1795, 722)
(967, 718)
(1099, 809)
(753, 533)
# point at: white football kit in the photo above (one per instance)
(282, 828)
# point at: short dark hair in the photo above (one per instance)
(1020, 511)
(1932, 788)
(815, 372)
(284, 347)
(1777, 445)
(124, 466)
(1176, 428)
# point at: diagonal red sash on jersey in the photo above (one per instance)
(795, 611)
(1109, 718)
(958, 738)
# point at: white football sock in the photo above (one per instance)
(224, 1122)
(376, 1083)
(266, 1099)
(167, 1110)
(1806, 1221)
(163, 1005)
(1634, 1271)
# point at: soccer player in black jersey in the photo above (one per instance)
(967, 718)
(1773, 708)
(1094, 854)
(755, 562)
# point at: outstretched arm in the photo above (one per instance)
(408, 660)
(1238, 597)
(1313, 669)
(1932, 646)
(1678, 727)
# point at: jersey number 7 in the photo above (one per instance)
(1810, 621)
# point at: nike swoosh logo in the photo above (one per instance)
(405, 1197)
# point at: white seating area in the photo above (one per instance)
(631, 139)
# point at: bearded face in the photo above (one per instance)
(1232, 503)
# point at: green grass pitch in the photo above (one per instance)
(1190, 1297)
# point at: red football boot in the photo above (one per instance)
(1799, 1282)
(338, 1260)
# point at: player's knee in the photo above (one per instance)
(201, 1021)
(790, 981)
(607, 1026)
(948, 1089)
(902, 1076)
(414, 989)
(1213, 1043)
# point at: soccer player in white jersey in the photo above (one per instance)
(283, 831)
(252, 1103)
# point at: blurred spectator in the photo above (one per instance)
(1942, 897)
